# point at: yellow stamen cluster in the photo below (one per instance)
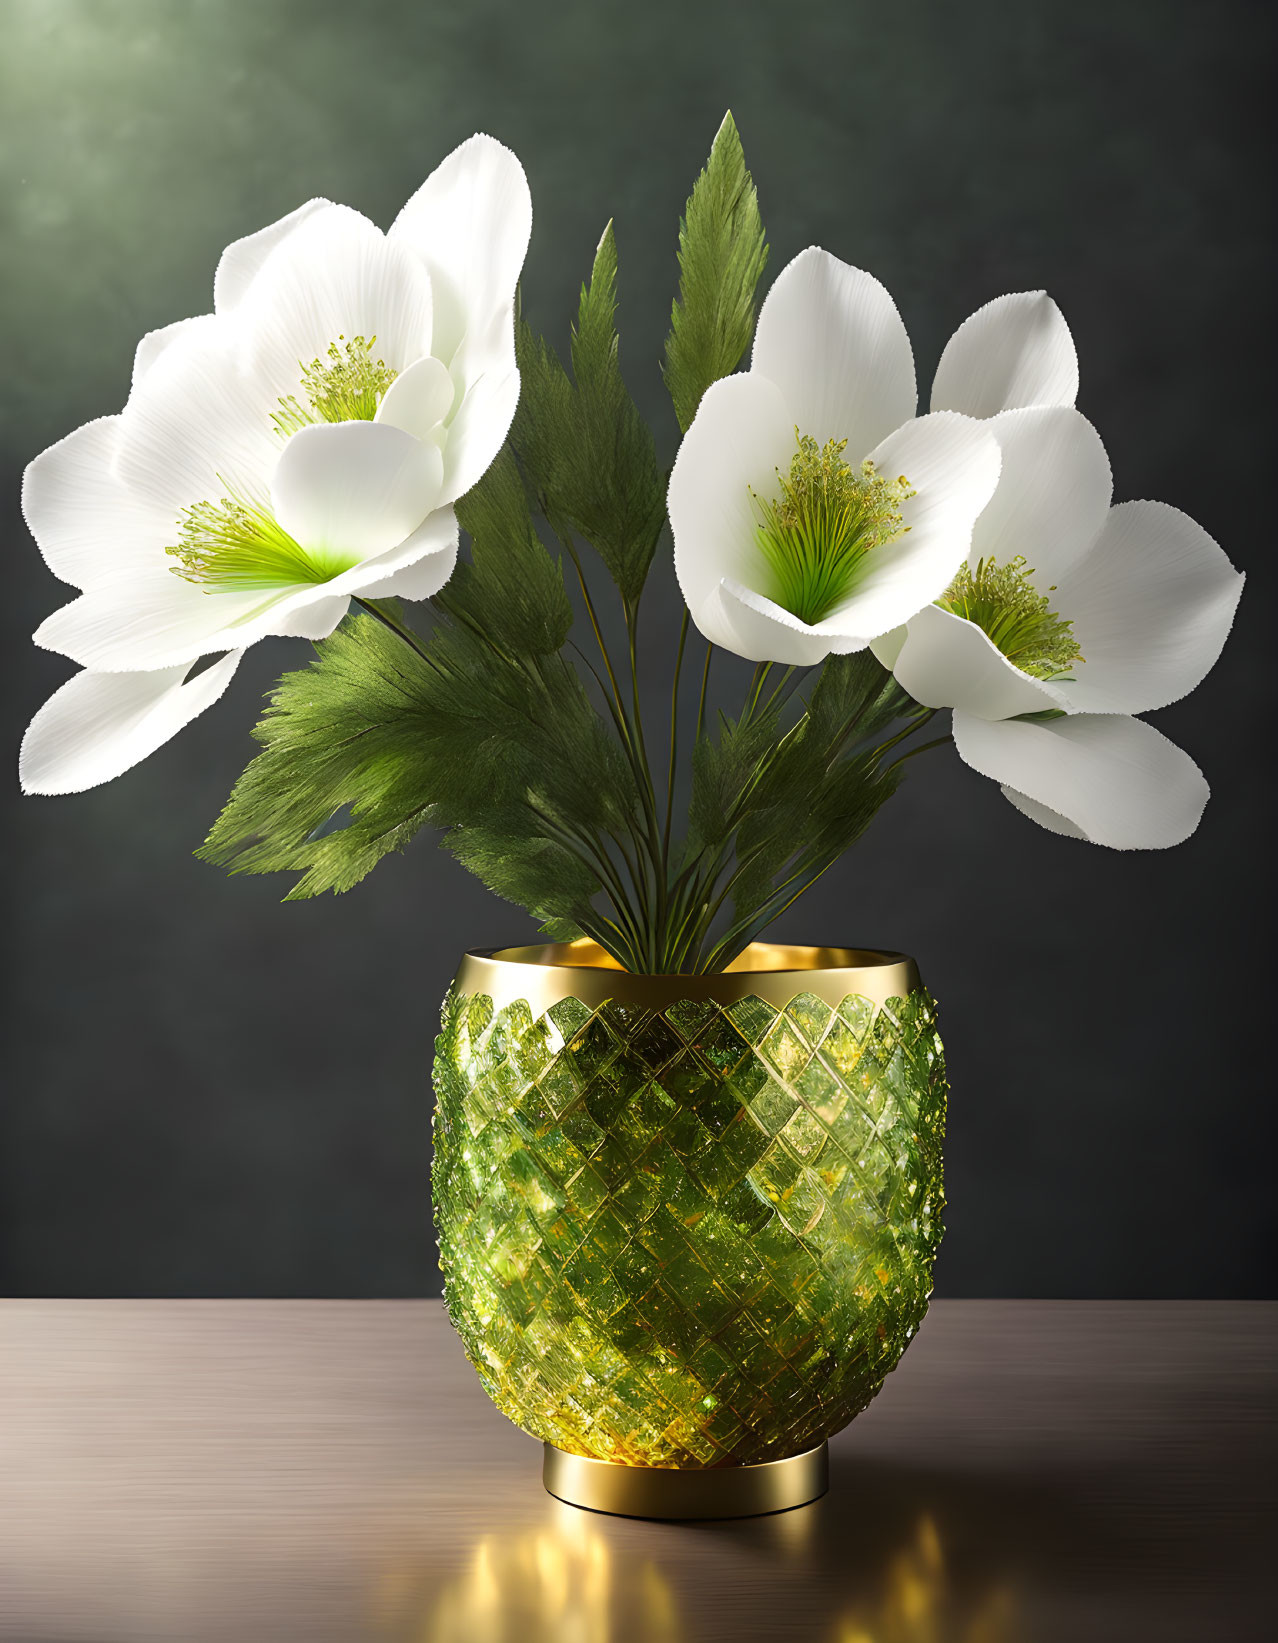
(815, 536)
(346, 386)
(237, 546)
(1003, 602)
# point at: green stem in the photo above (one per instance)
(570, 548)
(730, 882)
(761, 672)
(778, 688)
(596, 676)
(685, 884)
(648, 793)
(631, 861)
(374, 609)
(517, 663)
(631, 735)
(714, 900)
(674, 733)
(724, 952)
(595, 925)
(580, 844)
(705, 680)
(914, 724)
(914, 752)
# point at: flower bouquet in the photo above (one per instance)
(687, 1183)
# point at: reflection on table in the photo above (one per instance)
(565, 1583)
(324, 1472)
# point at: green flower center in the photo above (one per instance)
(345, 386)
(1003, 602)
(829, 516)
(236, 545)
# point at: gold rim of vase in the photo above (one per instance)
(542, 975)
(686, 1493)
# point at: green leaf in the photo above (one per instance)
(789, 801)
(722, 771)
(780, 866)
(586, 451)
(855, 696)
(752, 769)
(510, 584)
(346, 731)
(804, 786)
(505, 760)
(722, 252)
(527, 869)
(482, 731)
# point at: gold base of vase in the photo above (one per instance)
(679, 1492)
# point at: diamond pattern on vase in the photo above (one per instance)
(700, 1236)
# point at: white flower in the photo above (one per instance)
(1013, 352)
(811, 509)
(1067, 605)
(302, 444)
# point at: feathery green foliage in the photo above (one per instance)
(483, 731)
(509, 582)
(773, 808)
(587, 453)
(343, 731)
(722, 252)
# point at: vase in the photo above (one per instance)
(687, 1224)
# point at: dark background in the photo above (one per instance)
(209, 1093)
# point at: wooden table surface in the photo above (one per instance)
(269, 1471)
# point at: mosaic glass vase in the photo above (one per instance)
(687, 1222)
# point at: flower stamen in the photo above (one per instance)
(346, 386)
(1003, 602)
(828, 517)
(236, 545)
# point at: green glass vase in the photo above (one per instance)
(687, 1221)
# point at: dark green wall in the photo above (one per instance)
(209, 1093)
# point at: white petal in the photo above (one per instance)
(197, 424)
(1053, 492)
(742, 433)
(432, 546)
(242, 260)
(953, 464)
(101, 724)
(470, 222)
(478, 431)
(947, 661)
(354, 487)
(1017, 350)
(420, 581)
(313, 621)
(419, 398)
(153, 620)
(88, 526)
(335, 276)
(1118, 780)
(1152, 605)
(763, 631)
(1043, 816)
(437, 540)
(157, 620)
(154, 343)
(832, 340)
(888, 646)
